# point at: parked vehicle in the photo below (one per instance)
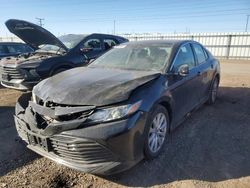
(52, 55)
(121, 108)
(13, 49)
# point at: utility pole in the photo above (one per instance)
(114, 27)
(247, 23)
(40, 21)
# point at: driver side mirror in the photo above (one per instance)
(183, 70)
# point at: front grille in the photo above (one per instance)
(44, 121)
(65, 117)
(80, 150)
(9, 73)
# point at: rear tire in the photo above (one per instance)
(213, 91)
(157, 132)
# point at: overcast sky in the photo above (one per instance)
(141, 16)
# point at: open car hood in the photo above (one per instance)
(32, 34)
(91, 86)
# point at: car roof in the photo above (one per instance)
(149, 42)
(108, 35)
(101, 35)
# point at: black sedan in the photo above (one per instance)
(52, 55)
(121, 108)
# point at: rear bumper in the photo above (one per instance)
(105, 148)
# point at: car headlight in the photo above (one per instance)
(30, 73)
(113, 113)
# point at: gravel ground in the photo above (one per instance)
(210, 149)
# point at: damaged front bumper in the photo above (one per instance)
(103, 148)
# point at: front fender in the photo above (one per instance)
(153, 93)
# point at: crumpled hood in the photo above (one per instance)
(91, 86)
(32, 34)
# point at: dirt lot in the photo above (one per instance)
(210, 149)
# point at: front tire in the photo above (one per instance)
(157, 128)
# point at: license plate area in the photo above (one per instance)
(40, 142)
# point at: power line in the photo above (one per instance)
(155, 12)
(40, 21)
(148, 19)
(161, 16)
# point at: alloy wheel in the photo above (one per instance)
(157, 132)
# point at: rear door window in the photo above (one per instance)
(198, 50)
(109, 43)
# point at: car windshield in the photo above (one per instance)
(50, 48)
(135, 57)
(71, 40)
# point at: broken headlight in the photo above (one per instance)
(113, 113)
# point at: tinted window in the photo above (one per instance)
(185, 56)
(109, 43)
(11, 49)
(18, 49)
(92, 43)
(199, 53)
(2, 49)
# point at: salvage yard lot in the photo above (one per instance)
(210, 149)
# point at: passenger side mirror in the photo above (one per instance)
(183, 70)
